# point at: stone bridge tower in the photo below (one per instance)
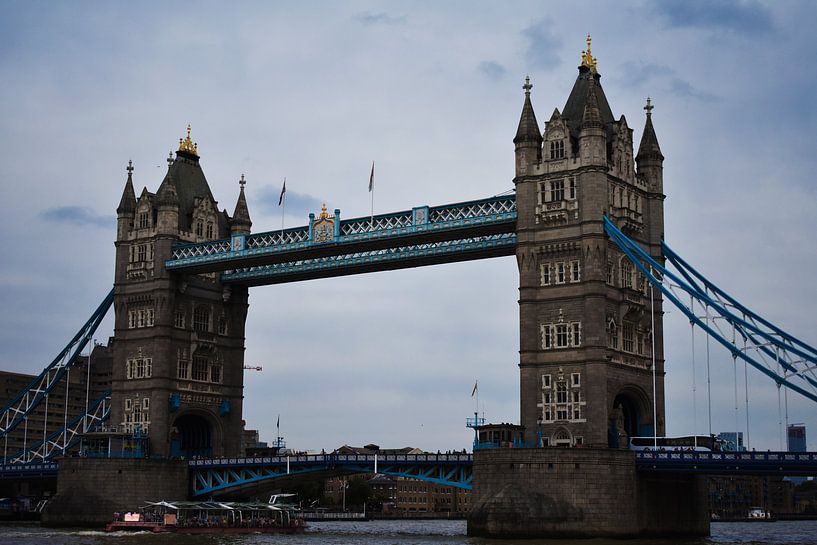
(585, 311)
(178, 339)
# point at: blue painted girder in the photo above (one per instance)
(215, 476)
(400, 257)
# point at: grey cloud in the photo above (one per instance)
(297, 203)
(369, 18)
(637, 75)
(492, 69)
(77, 215)
(543, 45)
(684, 89)
(742, 16)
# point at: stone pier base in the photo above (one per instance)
(581, 493)
(90, 490)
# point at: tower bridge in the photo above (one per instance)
(585, 221)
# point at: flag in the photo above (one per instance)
(474, 391)
(283, 191)
(371, 179)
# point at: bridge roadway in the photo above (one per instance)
(217, 476)
(331, 246)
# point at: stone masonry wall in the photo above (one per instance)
(580, 493)
(553, 492)
(89, 490)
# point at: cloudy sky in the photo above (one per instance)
(432, 93)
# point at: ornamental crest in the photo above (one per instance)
(323, 229)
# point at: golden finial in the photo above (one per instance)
(187, 145)
(587, 57)
(324, 213)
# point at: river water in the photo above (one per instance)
(435, 532)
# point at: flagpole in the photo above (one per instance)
(284, 210)
(371, 190)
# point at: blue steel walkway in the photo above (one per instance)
(331, 246)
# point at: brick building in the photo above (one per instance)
(49, 416)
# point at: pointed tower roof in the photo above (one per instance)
(591, 117)
(649, 148)
(167, 194)
(241, 216)
(128, 201)
(528, 130)
(573, 111)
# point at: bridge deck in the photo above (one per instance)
(420, 236)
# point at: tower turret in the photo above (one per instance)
(649, 158)
(240, 222)
(592, 136)
(167, 200)
(528, 140)
(126, 210)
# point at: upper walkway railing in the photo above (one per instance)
(418, 224)
(744, 463)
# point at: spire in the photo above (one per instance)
(649, 148)
(528, 131)
(241, 217)
(127, 204)
(591, 117)
(167, 194)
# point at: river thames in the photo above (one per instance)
(404, 533)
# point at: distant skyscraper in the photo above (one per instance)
(796, 436)
(734, 438)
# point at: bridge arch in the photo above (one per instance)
(196, 433)
(629, 416)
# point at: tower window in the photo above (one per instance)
(612, 335)
(179, 320)
(628, 334)
(222, 325)
(209, 229)
(626, 273)
(201, 319)
(215, 373)
(557, 149)
(561, 392)
(545, 381)
(571, 188)
(575, 271)
(544, 274)
(557, 190)
(144, 220)
(560, 272)
(183, 369)
(199, 228)
(200, 369)
(139, 368)
(561, 335)
(576, 380)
